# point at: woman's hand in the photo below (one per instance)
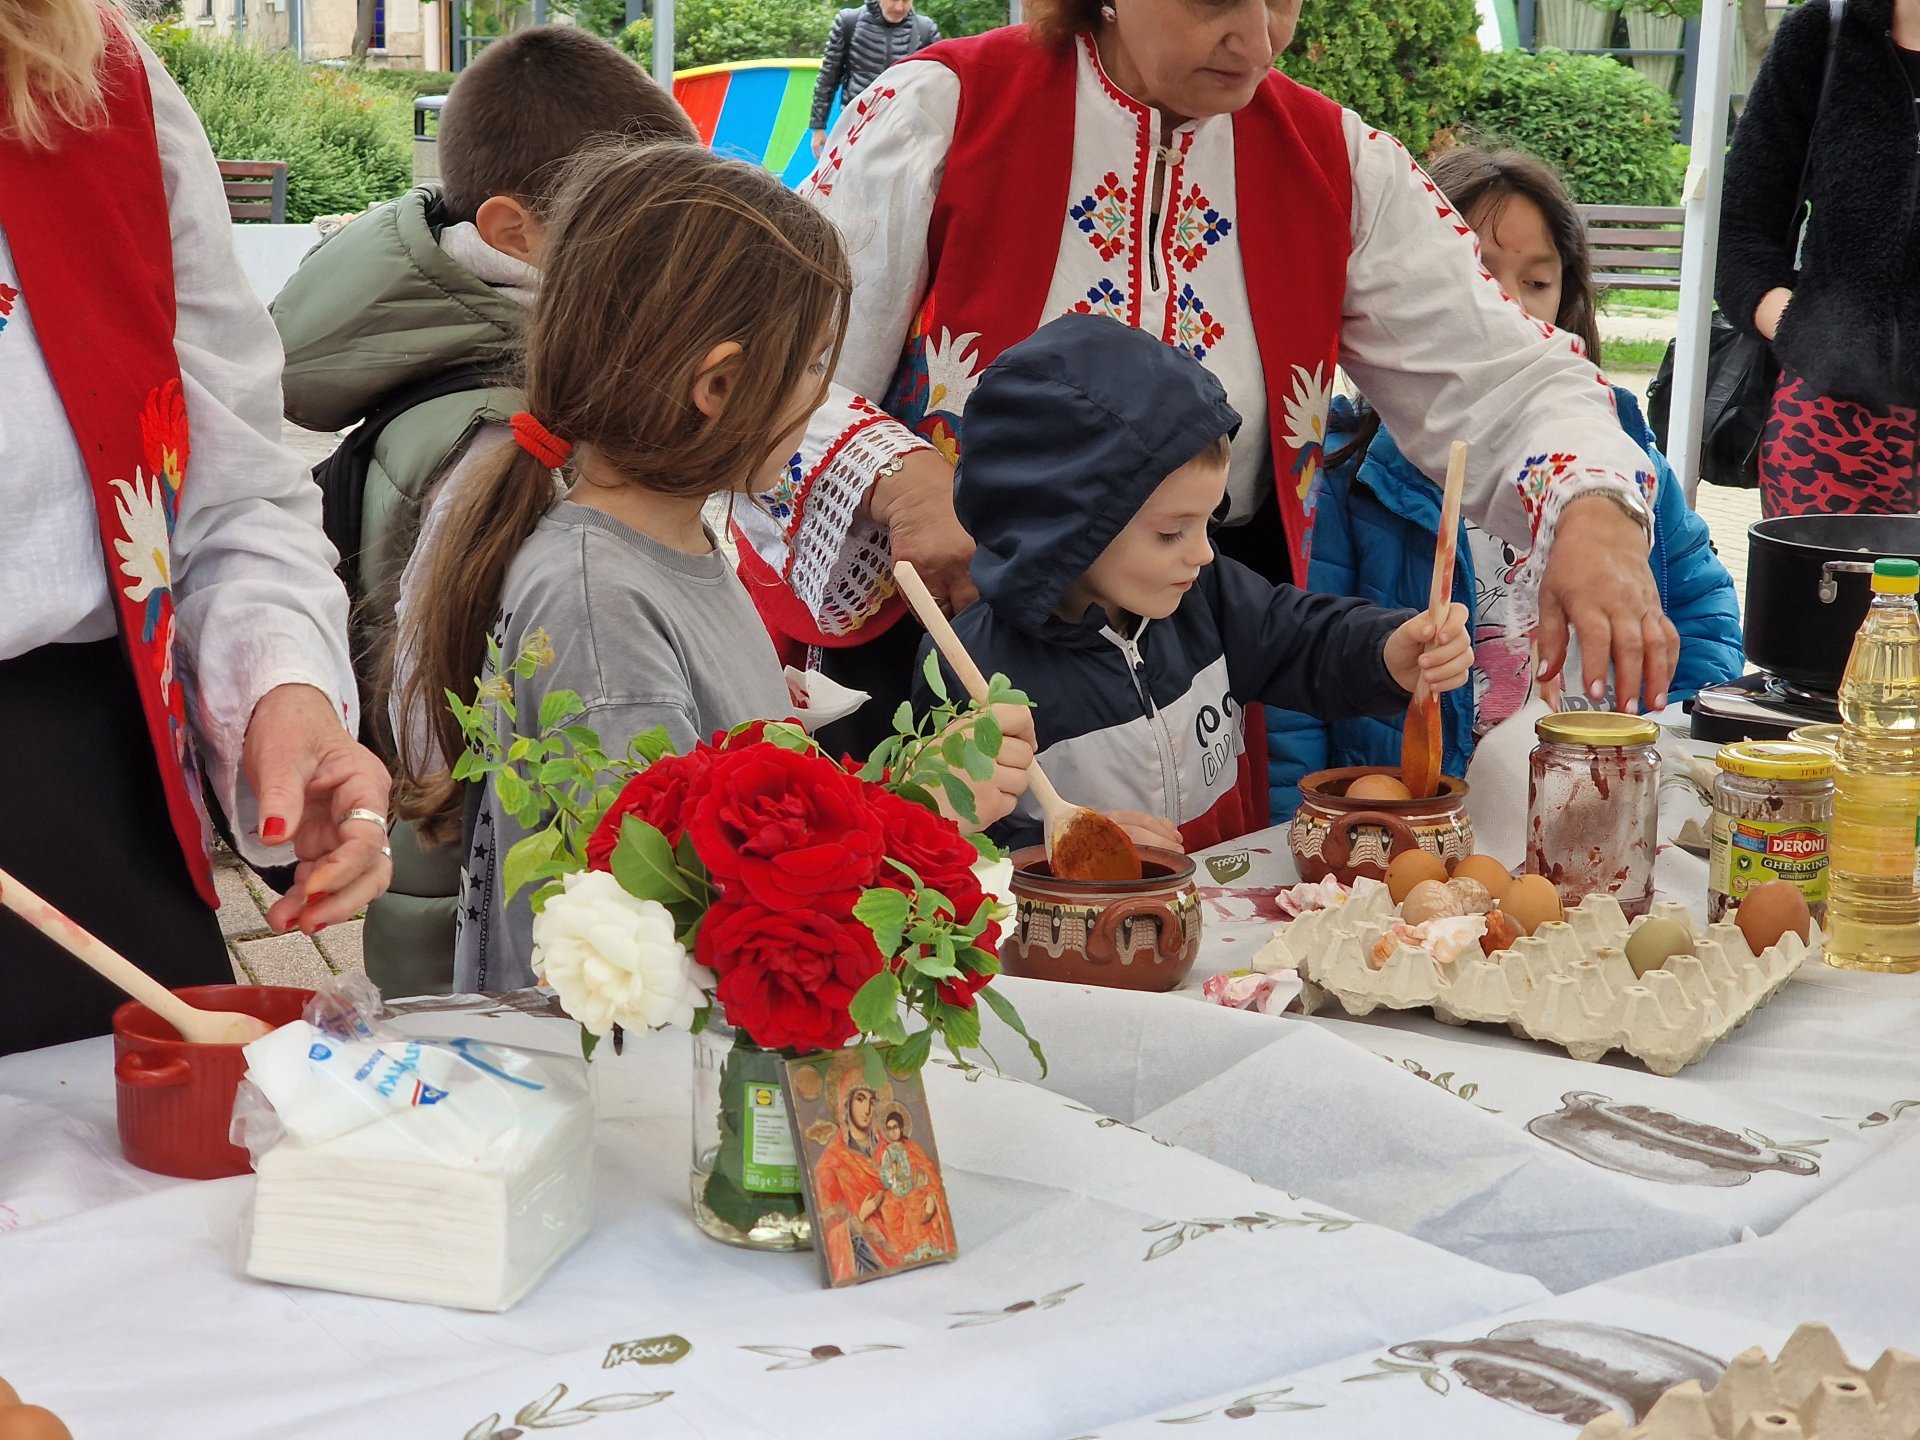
(1145, 829)
(1773, 305)
(1599, 583)
(310, 775)
(1442, 661)
(819, 142)
(994, 799)
(916, 506)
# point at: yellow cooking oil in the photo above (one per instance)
(1873, 913)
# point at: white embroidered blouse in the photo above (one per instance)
(257, 603)
(1428, 336)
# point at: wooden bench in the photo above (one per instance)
(1635, 247)
(256, 190)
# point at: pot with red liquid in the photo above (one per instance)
(1124, 934)
(175, 1098)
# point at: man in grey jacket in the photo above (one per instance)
(863, 42)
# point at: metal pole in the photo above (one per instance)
(1014, 13)
(1700, 242)
(663, 41)
(297, 28)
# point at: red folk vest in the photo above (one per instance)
(87, 222)
(994, 239)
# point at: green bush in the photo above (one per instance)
(409, 85)
(964, 17)
(344, 141)
(713, 32)
(604, 18)
(1408, 66)
(1607, 131)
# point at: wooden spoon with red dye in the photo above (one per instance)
(1082, 844)
(1423, 740)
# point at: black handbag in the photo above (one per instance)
(1742, 370)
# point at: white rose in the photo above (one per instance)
(614, 959)
(996, 879)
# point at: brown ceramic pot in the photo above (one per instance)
(1127, 935)
(1347, 839)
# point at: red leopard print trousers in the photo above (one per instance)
(1821, 456)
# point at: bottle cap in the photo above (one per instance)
(1896, 577)
(1604, 728)
(1776, 760)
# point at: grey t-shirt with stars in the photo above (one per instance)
(646, 635)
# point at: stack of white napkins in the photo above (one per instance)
(450, 1173)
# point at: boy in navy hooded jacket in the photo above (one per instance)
(1095, 464)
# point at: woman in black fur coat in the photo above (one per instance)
(1844, 315)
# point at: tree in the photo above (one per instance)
(362, 28)
(1755, 33)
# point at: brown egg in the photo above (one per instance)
(1488, 871)
(30, 1422)
(1769, 911)
(8, 1395)
(1501, 933)
(1410, 868)
(1378, 787)
(1532, 901)
(1429, 900)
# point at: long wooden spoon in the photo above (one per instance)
(202, 1027)
(1082, 844)
(1423, 739)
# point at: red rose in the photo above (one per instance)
(657, 795)
(928, 844)
(961, 990)
(788, 976)
(791, 830)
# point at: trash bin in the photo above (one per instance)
(426, 137)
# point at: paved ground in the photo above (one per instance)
(264, 958)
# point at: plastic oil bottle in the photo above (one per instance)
(1873, 915)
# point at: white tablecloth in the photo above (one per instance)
(1449, 1134)
(1103, 1275)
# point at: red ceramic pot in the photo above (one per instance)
(175, 1098)
(1127, 934)
(1354, 839)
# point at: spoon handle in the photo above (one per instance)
(91, 950)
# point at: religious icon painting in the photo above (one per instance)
(868, 1162)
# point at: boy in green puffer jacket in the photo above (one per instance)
(418, 305)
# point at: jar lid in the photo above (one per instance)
(1826, 737)
(1605, 728)
(1776, 760)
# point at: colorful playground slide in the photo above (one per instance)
(755, 110)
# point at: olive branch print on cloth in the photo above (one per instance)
(1179, 1232)
(1877, 1118)
(1107, 1122)
(1445, 1080)
(790, 1357)
(547, 1413)
(1432, 1376)
(1019, 1307)
(1267, 1402)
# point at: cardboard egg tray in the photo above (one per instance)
(1812, 1392)
(1568, 984)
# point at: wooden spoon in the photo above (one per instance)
(1423, 739)
(202, 1027)
(1082, 844)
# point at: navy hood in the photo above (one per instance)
(1066, 436)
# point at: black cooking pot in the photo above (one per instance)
(1808, 589)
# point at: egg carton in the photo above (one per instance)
(1812, 1392)
(1568, 984)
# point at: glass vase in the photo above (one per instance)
(746, 1177)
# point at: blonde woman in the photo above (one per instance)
(170, 625)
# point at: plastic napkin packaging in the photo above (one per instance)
(449, 1172)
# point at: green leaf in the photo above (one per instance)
(919, 795)
(933, 964)
(875, 1002)
(961, 1025)
(936, 681)
(651, 745)
(980, 962)
(559, 772)
(984, 847)
(468, 766)
(960, 797)
(526, 859)
(559, 706)
(1010, 1017)
(588, 1042)
(520, 751)
(512, 792)
(784, 736)
(884, 757)
(903, 718)
(884, 912)
(976, 762)
(581, 737)
(643, 863)
(909, 1057)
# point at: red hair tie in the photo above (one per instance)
(538, 441)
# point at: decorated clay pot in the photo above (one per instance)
(1125, 934)
(1347, 839)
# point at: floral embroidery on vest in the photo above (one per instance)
(1306, 419)
(1194, 328)
(1104, 298)
(7, 296)
(1199, 228)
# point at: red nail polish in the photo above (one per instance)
(273, 830)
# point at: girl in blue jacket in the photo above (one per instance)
(1376, 518)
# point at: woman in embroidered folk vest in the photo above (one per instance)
(166, 595)
(1141, 159)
